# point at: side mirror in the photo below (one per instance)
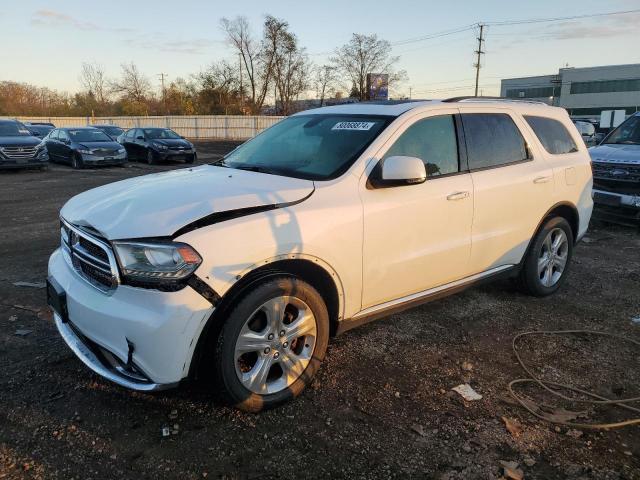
(397, 171)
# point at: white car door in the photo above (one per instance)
(513, 186)
(418, 236)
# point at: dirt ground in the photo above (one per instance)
(381, 407)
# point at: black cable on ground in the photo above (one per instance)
(557, 388)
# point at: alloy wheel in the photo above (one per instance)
(553, 257)
(275, 345)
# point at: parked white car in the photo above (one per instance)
(330, 218)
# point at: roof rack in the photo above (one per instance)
(504, 99)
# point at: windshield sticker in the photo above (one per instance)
(353, 126)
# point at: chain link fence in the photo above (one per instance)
(229, 127)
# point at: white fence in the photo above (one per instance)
(232, 127)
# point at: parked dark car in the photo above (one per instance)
(156, 144)
(85, 146)
(20, 149)
(39, 130)
(111, 130)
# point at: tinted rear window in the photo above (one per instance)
(552, 134)
(493, 139)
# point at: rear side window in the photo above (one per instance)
(433, 140)
(552, 134)
(493, 139)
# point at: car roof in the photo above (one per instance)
(77, 128)
(106, 125)
(395, 108)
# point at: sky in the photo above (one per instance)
(45, 42)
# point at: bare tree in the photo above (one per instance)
(219, 87)
(132, 84)
(325, 81)
(258, 58)
(365, 54)
(291, 70)
(94, 81)
(240, 38)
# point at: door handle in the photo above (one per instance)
(541, 179)
(457, 195)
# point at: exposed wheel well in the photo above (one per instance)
(569, 213)
(306, 270)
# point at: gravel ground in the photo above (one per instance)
(381, 407)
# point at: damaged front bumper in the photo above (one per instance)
(139, 338)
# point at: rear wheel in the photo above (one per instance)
(272, 344)
(76, 161)
(547, 261)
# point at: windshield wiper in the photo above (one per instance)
(256, 168)
(220, 163)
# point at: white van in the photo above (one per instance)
(331, 218)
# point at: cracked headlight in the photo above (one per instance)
(156, 262)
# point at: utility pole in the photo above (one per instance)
(409, 93)
(164, 92)
(241, 96)
(478, 53)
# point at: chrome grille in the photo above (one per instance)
(621, 172)
(19, 152)
(90, 256)
(104, 152)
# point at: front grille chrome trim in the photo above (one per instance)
(77, 256)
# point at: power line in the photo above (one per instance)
(559, 19)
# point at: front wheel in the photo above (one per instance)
(76, 161)
(547, 262)
(150, 158)
(191, 159)
(272, 344)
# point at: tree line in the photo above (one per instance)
(271, 68)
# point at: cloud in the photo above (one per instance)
(149, 41)
(53, 19)
(159, 42)
(607, 27)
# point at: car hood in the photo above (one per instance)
(159, 205)
(19, 141)
(172, 142)
(111, 145)
(616, 153)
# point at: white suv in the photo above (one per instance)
(330, 218)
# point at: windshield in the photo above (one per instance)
(88, 136)
(315, 147)
(41, 129)
(160, 133)
(13, 129)
(627, 133)
(111, 131)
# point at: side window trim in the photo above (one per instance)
(463, 161)
(530, 157)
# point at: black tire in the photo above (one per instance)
(76, 161)
(233, 391)
(191, 159)
(529, 280)
(151, 160)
